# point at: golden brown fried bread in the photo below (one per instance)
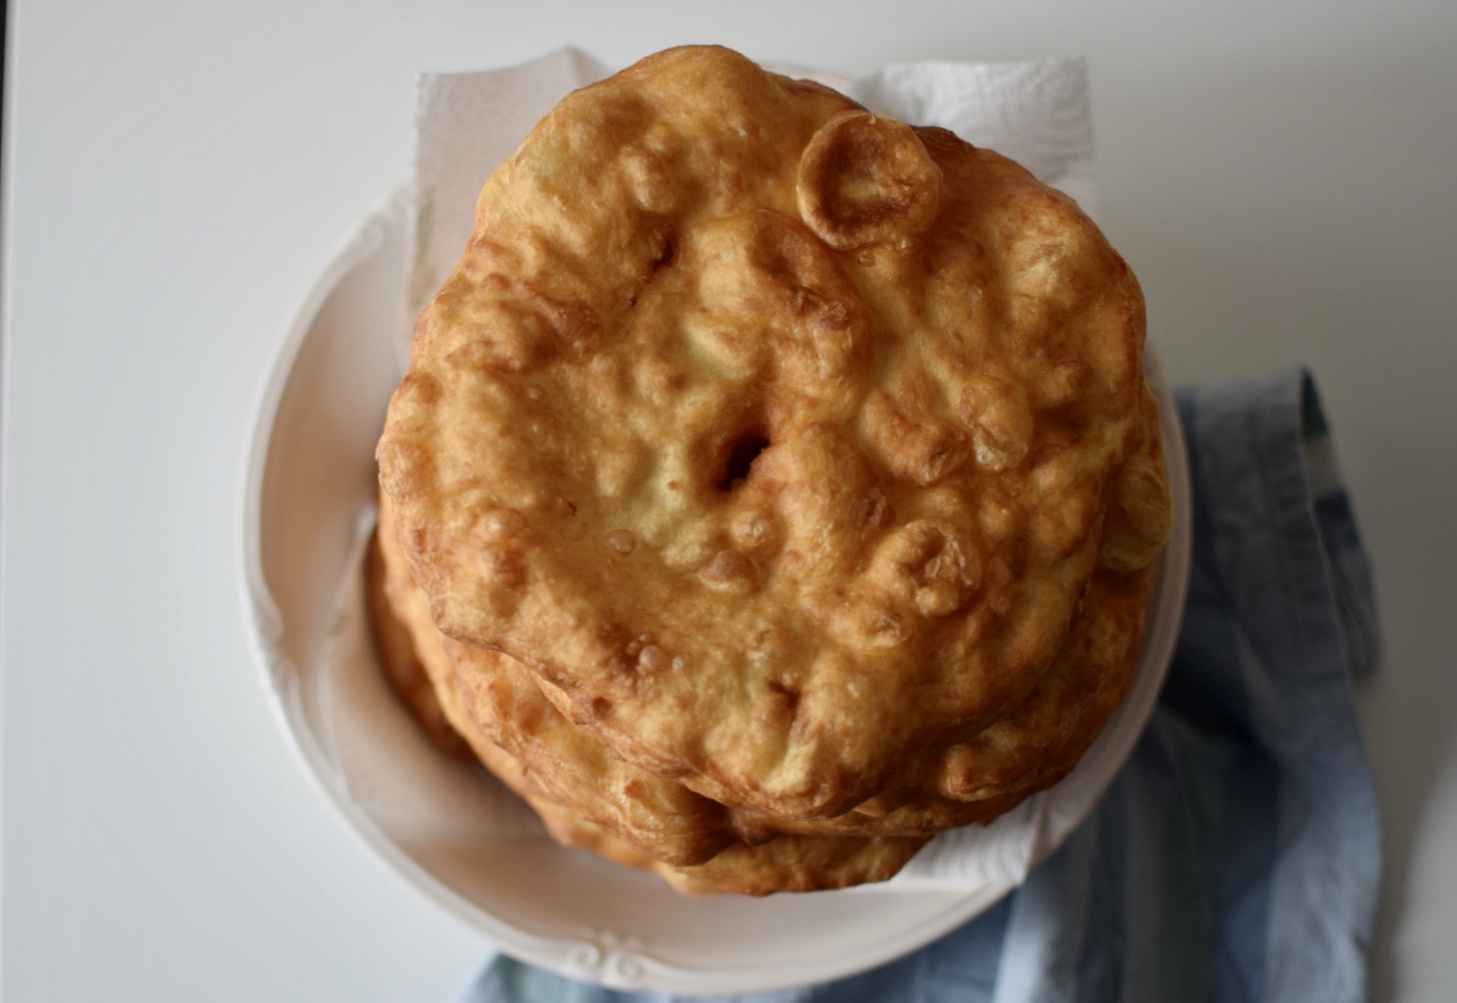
(784, 444)
(1032, 747)
(489, 694)
(497, 699)
(395, 646)
(400, 613)
(784, 864)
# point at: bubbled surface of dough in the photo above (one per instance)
(490, 695)
(784, 445)
(586, 797)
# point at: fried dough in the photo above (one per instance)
(802, 457)
(413, 651)
(485, 692)
(784, 864)
(394, 644)
(1031, 748)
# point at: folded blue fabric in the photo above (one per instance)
(1237, 856)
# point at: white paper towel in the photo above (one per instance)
(1036, 112)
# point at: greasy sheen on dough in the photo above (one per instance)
(790, 449)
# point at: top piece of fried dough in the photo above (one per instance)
(778, 439)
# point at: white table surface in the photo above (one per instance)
(1283, 180)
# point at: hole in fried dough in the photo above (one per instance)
(741, 456)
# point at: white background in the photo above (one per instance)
(178, 173)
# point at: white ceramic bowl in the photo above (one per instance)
(446, 826)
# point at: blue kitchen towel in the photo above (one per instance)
(1237, 856)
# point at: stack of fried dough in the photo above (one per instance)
(773, 486)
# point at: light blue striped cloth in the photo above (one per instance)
(1237, 856)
